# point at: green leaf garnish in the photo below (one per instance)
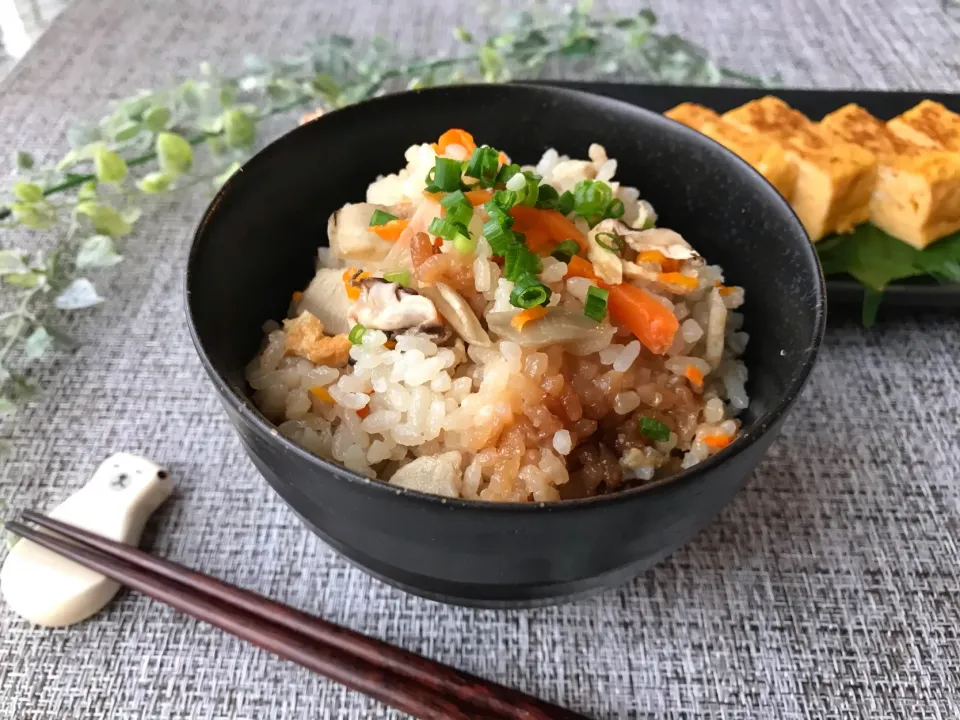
(654, 429)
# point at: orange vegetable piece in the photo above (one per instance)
(363, 412)
(455, 136)
(390, 344)
(392, 230)
(578, 267)
(433, 196)
(727, 290)
(296, 296)
(666, 264)
(675, 278)
(693, 374)
(525, 316)
(502, 157)
(556, 226)
(538, 241)
(350, 278)
(478, 197)
(717, 442)
(321, 394)
(653, 324)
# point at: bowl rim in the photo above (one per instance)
(269, 433)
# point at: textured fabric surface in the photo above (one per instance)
(828, 589)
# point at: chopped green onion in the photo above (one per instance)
(616, 242)
(483, 165)
(654, 429)
(595, 304)
(615, 209)
(591, 199)
(447, 175)
(499, 237)
(446, 228)
(401, 277)
(565, 203)
(648, 223)
(505, 199)
(464, 244)
(520, 261)
(566, 250)
(380, 217)
(356, 334)
(507, 172)
(458, 207)
(548, 198)
(529, 292)
(531, 191)
(431, 185)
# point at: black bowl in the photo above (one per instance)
(257, 244)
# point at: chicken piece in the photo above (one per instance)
(929, 124)
(606, 263)
(326, 299)
(351, 237)
(764, 154)
(305, 339)
(835, 179)
(917, 197)
(436, 475)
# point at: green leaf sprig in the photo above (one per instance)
(77, 213)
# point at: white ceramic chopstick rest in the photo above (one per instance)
(52, 591)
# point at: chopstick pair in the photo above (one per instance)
(399, 678)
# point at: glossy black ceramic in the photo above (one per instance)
(257, 244)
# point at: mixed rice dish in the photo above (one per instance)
(482, 330)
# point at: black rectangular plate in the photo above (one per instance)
(915, 292)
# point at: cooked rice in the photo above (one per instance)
(516, 424)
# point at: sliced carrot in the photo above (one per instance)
(727, 290)
(525, 316)
(538, 240)
(693, 374)
(675, 278)
(296, 296)
(321, 394)
(392, 230)
(556, 226)
(502, 157)
(653, 324)
(717, 442)
(350, 278)
(478, 197)
(455, 136)
(390, 344)
(363, 412)
(578, 267)
(666, 264)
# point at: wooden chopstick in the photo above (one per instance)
(405, 680)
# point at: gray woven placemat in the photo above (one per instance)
(828, 589)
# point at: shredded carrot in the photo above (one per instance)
(666, 264)
(390, 344)
(350, 279)
(693, 374)
(433, 196)
(653, 324)
(525, 316)
(717, 442)
(363, 412)
(296, 296)
(727, 290)
(455, 136)
(556, 226)
(478, 197)
(392, 230)
(321, 394)
(675, 278)
(578, 267)
(502, 157)
(538, 241)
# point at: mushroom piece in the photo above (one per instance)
(716, 327)
(351, 237)
(436, 474)
(326, 299)
(458, 313)
(606, 263)
(388, 306)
